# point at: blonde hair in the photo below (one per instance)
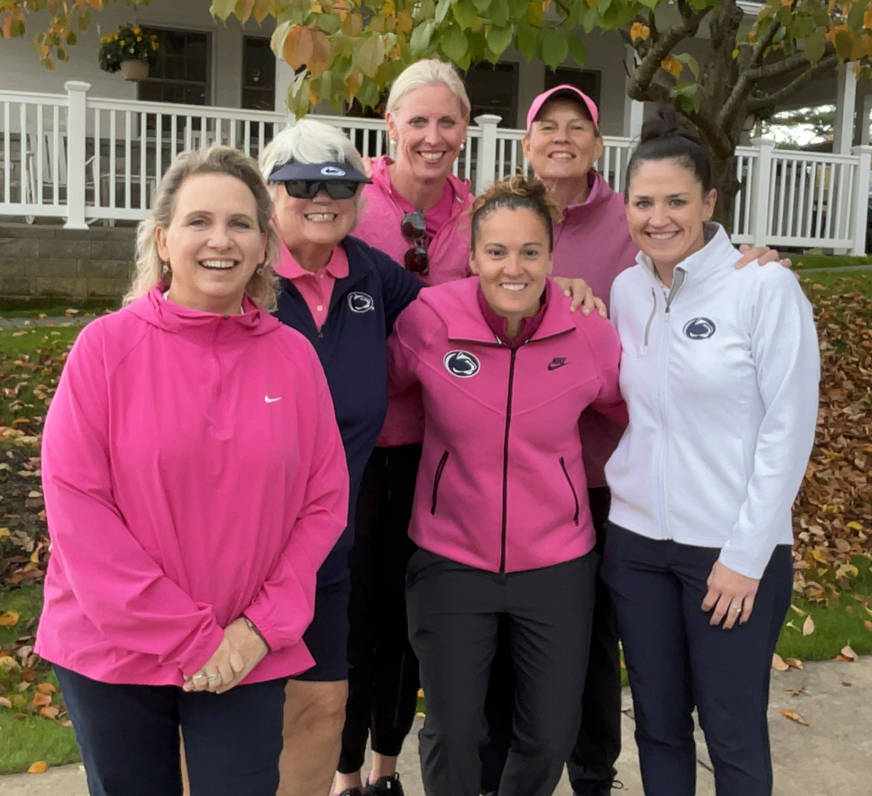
(310, 141)
(427, 73)
(214, 160)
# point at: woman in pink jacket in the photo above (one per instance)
(500, 512)
(194, 480)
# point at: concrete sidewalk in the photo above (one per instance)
(830, 757)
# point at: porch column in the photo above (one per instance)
(860, 197)
(634, 111)
(77, 139)
(846, 102)
(865, 120)
(284, 78)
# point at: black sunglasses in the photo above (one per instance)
(309, 189)
(414, 227)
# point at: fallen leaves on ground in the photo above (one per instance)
(833, 514)
(808, 626)
(39, 767)
(778, 663)
(847, 655)
(793, 716)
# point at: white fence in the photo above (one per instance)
(85, 159)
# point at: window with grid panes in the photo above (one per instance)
(587, 80)
(183, 70)
(493, 88)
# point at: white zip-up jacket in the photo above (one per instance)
(720, 375)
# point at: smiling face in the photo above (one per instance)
(563, 142)
(512, 260)
(318, 223)
(428, 127)
(213, 243)
(666, 210)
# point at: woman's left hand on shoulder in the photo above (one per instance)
(730, 596)
(761, 253)
(581, 295)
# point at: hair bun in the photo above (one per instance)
(665, 125)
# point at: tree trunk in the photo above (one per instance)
(727, 185)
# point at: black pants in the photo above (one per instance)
(129, 737)
(454, 615)
(591, 764)
(383, 673)
(677, 661)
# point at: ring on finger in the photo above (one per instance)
(199, 676)
(213, 678)
(736, 607)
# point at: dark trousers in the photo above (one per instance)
(592, 760)
(677, 661)
(129, 737)
(454, 616)
(383, 673)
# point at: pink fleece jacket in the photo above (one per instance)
(449, 260)
(501, 485)
(593, 243)
(193, 472)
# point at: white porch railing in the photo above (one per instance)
(86, 159)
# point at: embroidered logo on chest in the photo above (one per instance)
(461, 364)
(360, 302)
(557, 362)
(699, 328)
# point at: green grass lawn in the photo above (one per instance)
(801, 261)
(860, 281)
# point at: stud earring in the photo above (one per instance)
(462, 146)
(166, 268)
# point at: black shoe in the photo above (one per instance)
(385, 786)
(351, 792)
(601, 789)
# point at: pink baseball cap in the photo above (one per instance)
(558, 92)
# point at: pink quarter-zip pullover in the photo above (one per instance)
(193, 472)
(380, 219)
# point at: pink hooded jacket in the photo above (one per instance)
(501, 485)
(193, 472)
(379, 226)
(593, 243)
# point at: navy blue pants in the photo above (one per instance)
(677, 661)
(129, 737)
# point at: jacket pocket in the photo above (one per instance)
(571, 487)
(436, 481)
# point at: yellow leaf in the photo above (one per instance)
(793, 663)
(8, 662)
(808, 626)
(39, 767)
(4, 534)
(854, 525)
(794, 716)
(818, 555)
(9, 619)
(778, 663)
(867, 18)
(672, 65)
(315, 7)
(639, 30)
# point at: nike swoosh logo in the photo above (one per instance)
(271, 400)
(555, 365)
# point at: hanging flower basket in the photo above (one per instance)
(134, 70)
(130, 50)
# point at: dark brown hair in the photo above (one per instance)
(512, 193)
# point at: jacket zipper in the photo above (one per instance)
(514, 353)
(677, 282)
(571, 486)
(436, 481)
(651, 316)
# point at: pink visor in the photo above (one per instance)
(570, 92)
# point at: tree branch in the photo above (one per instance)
(784, 66)
(647, 69)
(772, 100)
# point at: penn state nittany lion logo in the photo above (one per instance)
(332, 171)
(700, 328)
(360, 302)
(461, 364)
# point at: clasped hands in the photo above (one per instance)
(240, 651)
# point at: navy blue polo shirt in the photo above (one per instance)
(352, 346)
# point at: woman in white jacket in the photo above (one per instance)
(720, 373)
